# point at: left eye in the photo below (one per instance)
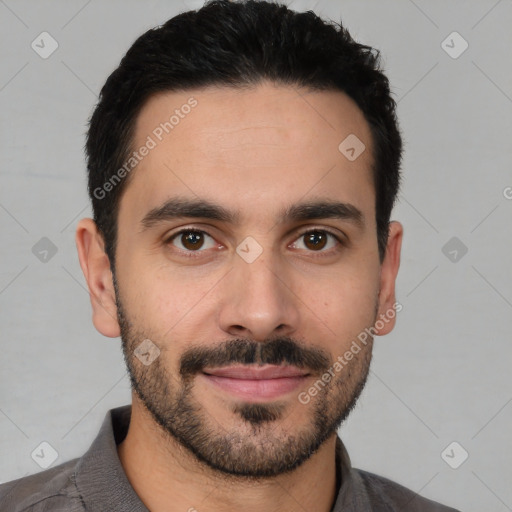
(317, 240)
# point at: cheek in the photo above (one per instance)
(165, 302)
(344, 305)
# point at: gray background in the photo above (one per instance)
(442, 375)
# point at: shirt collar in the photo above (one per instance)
(99, 475)
(351, 494)
(103, 484)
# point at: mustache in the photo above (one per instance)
(276, 351)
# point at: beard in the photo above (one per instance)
(257, 446)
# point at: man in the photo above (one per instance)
(243, 165)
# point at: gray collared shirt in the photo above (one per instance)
(96, 482)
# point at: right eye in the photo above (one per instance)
(191, 240)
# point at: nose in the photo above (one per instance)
(257, 300)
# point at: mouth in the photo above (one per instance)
(253, 383)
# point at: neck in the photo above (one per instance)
(168, 478)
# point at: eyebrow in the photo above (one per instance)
(179, 207)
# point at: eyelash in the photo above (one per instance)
(196, 254)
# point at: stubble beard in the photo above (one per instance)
(257, 445)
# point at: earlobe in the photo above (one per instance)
(386, 316)
(96, 268)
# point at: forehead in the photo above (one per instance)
(251, 149)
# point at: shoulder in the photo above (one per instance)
(53, 489)
(392, 496)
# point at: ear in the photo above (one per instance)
(96, 268)
(389, 271)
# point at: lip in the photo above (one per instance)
(256, 372)
(255, 384)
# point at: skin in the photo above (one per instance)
(253, 152)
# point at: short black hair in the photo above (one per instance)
(239, 45)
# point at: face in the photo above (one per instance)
(246, 265)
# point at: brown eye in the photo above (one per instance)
(315, 240)
(189, 240)
(192, 240)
